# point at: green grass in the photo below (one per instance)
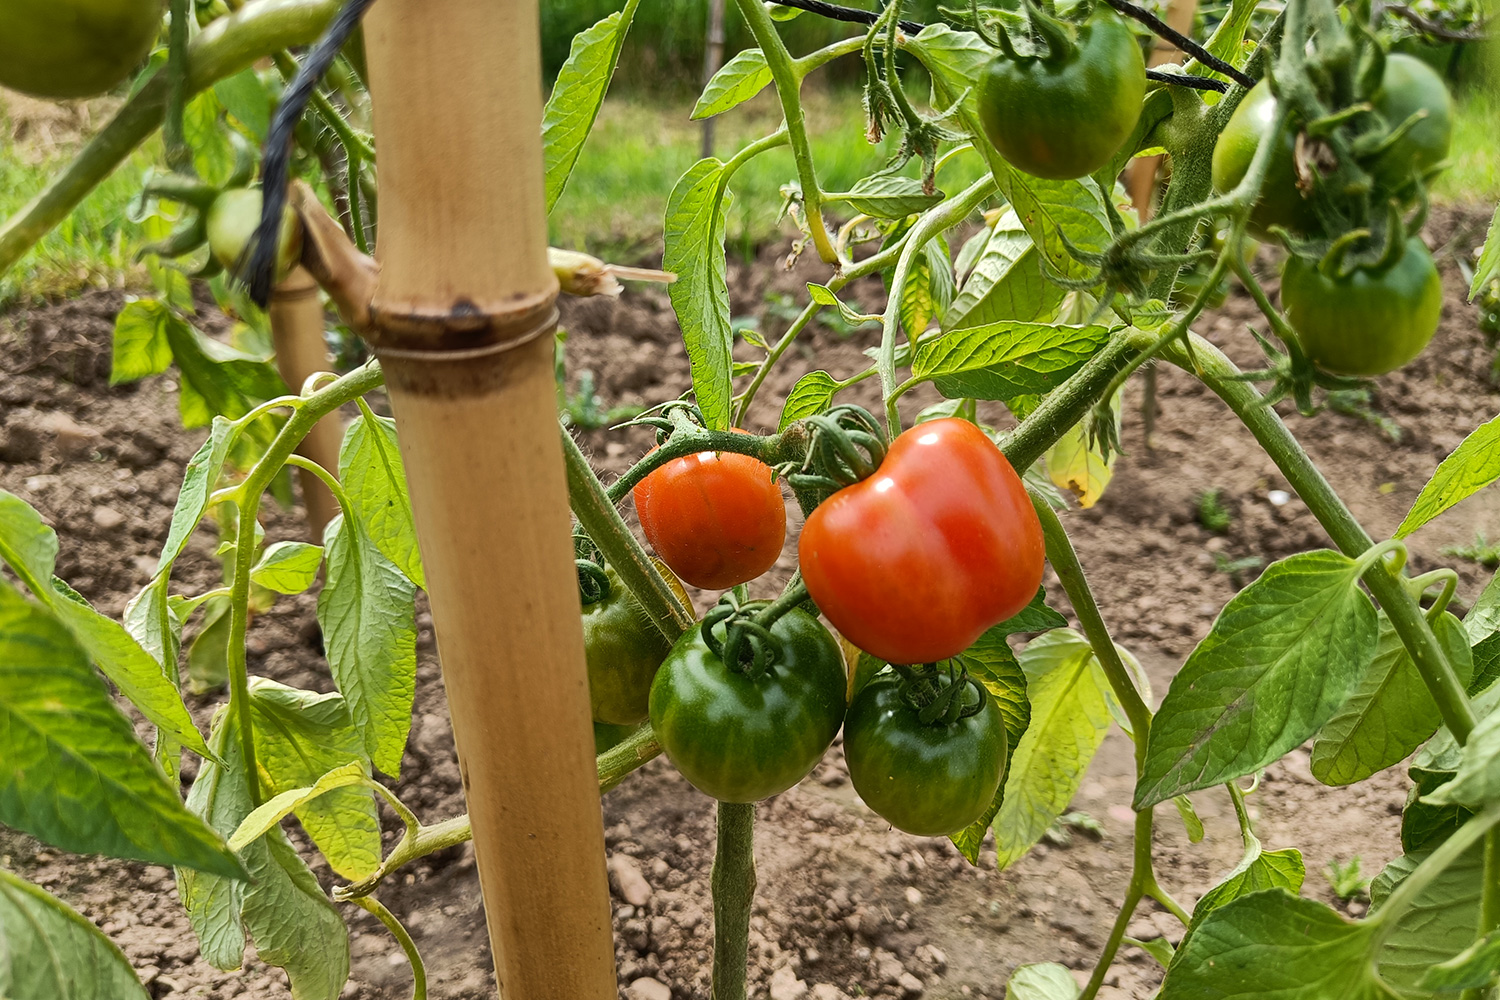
(1475, 173)
(94, 247)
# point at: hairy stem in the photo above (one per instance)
(418, 970)
(1221, 376)
(733, 886)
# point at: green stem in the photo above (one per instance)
(934, 222)
(621, 550)
(222, 49)
(788, 82)
(1140, 880)
(1410, 888)
(1064, 560)
(1405, 614)
(774, 449)
(179, 155)
(328, 478)
(1489, 905)
(733, 886)
(815, 59)
(418, 971)
(616, 763)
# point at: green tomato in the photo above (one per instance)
(1064, 116)
(743, 740)
(231, 223)
(623, 649)
(1408, 87)
(928, 780)
(74, 48)
(1369, 322)
(1281, 203)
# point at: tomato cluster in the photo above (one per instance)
(911, 564)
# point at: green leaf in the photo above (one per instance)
(1190, 821)
(30, 548)
(1006, 282)
(928, 289)
(812, 394)
(1227, 41)
(273, 811)
(1280, 660)
(49, 950)
(72, 772)
(208, 653)
(288, 567)
(1488, 267)
(300, 737)
(1257, 871)
(372, 475)
(1474, 968)
(1006, 359)
(1424, 826)
(1042, 981)
(1069, 717)
(1477, 782)
(198, 481)
(1441, 922)
(823, 295)
(1390, 713)
(246, 98)
(577, 95)
(991, 662)
(293, 924)
(140, 343)
(694, 238)
(216, 379)
(1273, 944)
(369, 626)
(1482, 624)
(738, 80)
(1474, 464)
(213, 156)
(890, 196)
(1049, 210)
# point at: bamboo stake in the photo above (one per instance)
(462, 321)
(296, 311)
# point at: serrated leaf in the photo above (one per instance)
(889, 196)
(372, 475)
(72, 772)
(1069, 717)
(198, 481)
(1272, 943)
(140, 343)
(1474, 464)
(991, 662)
(1005, 360)
(700, 296)
(812, 394)
(1391, 711)
(738, 80)
(1281, 658)
(1049, 209)
(577, 95)
(49, 950)
(30, 548)
(369, 627)
(301, 736)
(1441, 922)
(279, 807)
(825, 296)
(1488, 267)
(1006, 282)
(1474, 968)
(1041, 981)
(928, 289)
(1257, 871)
(287, 567)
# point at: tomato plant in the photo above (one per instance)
(976, 711)
(914, 563)
(716, 518)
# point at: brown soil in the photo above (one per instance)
(846, 904)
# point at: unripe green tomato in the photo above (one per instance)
(1281, 203)
(742, 739)
(1408, 87)
(231, 223)
(1369, 322)
(623, 648)
(74, 48)
(928, 780)
(1064, 117)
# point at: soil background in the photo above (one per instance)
(847, 907)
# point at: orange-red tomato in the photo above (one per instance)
(716, 518)
(915, 562)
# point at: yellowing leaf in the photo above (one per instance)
(1073, 465)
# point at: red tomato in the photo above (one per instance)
(915, 562)
(716, 518)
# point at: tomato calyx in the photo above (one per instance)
(940, 698)
(747, 645)
(847, 446)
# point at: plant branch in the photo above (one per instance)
(1164, 30)
(1140, 879)
(1405, 614)
(418, 970)
(732, 884)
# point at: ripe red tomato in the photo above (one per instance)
(716, 518)
(915, 562)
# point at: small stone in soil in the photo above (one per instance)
(786, 986)
(647, 988)
(629, 881)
